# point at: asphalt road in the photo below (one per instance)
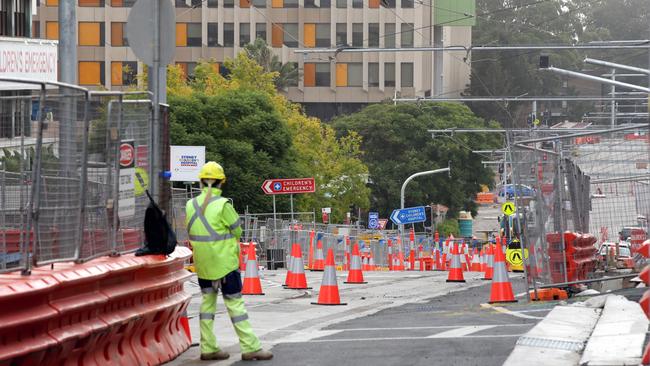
(449, 330)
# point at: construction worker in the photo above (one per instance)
(214, 230)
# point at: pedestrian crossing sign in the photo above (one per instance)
(508, 208)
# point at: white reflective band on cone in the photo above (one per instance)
(329, 277)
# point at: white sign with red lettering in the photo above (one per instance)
(27, 59)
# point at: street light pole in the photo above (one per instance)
(428, 172)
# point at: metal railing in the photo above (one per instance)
(68, 164)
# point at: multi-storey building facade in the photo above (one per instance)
(218, 29)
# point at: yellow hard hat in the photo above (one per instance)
(212, 170)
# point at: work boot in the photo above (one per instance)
(219, 355)
(259, 355)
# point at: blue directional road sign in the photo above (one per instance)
(409, 215)
(373, 220)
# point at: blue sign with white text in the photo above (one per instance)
(409, 215)
(373, 220)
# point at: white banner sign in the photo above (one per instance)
(186, 162)
(126, 203)
(27, 59)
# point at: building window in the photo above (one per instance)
(406, 74)
(91, 34)
(309, 34)
(389, 35)
(276, 4)
(228, 34)
(51, 2)
(260, 31)
(357, 4)
(341, 75)
(323, 35)
(373, 34)
(213, 35)
(259, 3)
(118, 35)
(277, 35)
(290, 3)
(341, 34)
(92, 3)
(373, 74)
(244, 3)
(290, 34)
(91, 73)
(213, 3)
(341, 4)
(407, 35)
(181, 4)
(244, 34)
(309, 74)
(322, 74)
(312, 4)
(187, 68)
(293, 81)
(226, 4)
(389, 74)
(123, 72)
(357, 34)
(373, 4)
(407, 3)
(122, 3)
(355, 74)
(52, 30)
(388, 3)
(181, 34)
(194, 34)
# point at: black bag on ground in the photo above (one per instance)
(159, 236)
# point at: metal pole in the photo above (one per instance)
(517, 214)
(158, 96)
(613, 105)
(596, 79)
(275, 225)
(84, 177)
(616, 66)
(560, 214)
(428, 172)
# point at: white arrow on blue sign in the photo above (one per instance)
(373, 220)
(409, 215)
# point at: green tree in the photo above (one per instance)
(396, 143)
(286, 74)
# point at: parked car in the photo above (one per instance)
(624, 258)
(521, 191)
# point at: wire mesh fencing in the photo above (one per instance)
(68, 169)
(575, 194)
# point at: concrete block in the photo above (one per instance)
(618, 336)
(557, 340)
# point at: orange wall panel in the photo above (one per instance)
(52, 30)
(309, 74)
(341, 74)
(373, 3)
(89, 34)
(277, 4)
(116, 73)
(181, 34)
(310, 34)
(277, 35)
(90, 73)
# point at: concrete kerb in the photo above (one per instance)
(604, 330)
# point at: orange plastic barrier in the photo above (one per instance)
(485, 198)
(110, 311)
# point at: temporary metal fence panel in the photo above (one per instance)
(63, 188)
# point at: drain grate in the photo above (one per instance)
(574, 346)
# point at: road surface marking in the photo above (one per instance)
(406, 338)
(462, 332)
(435, 327)
(509, 312)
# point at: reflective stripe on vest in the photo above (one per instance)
(212, 234)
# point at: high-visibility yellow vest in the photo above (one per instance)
(216, 250)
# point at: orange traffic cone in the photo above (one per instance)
(476, 262)
(355, 275)
(185, 324)
(371, 263)
(501, 286)
(252, 284)
(319, 261)
(489, 270)
(329, 289)
(310, 255)
(437, 260)
(443, 262)
(365, 263)
(298, 280)
(455, 272)
(400, 261)
(646, 356)
(390, 255)
(463, 261)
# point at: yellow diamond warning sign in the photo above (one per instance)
(513, 256)
(508, 208)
